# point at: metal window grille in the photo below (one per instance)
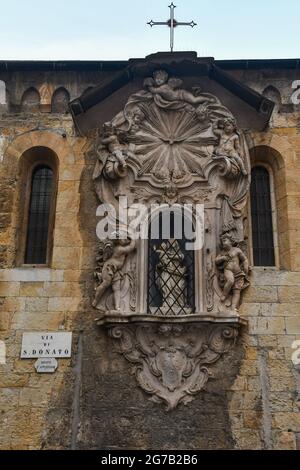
(261, 214)
(178, 296)
(39, 215)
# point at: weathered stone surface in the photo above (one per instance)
(248, 439)
(32, 289)
(3, 256)
(60, 304)
(36, 304)
(66, 258)
(284, 440)
(38, 321)
(31, 275)
(9, 289)
(287, 421)
(252, 419)
(267, 326)
(13, 380)
(292, 325)
(261, 294)
(288, 294)
(4, 320)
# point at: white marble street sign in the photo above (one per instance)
(46, 366)
(35, 345)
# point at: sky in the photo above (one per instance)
(117, 29)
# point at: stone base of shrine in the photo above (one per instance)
(116, 317)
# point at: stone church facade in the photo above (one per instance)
(173, 347)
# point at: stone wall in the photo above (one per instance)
(92, 401)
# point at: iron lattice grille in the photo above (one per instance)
(38, 216)
(261, 215)
(171, 278)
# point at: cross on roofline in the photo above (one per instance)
(172, 23)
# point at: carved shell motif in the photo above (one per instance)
(172, 144)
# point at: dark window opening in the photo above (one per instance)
(171, 267)
(41, 197)
(261, 214)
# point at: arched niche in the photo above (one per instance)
(31, 100)
(37, 166)
(60, 101)
(273, 94)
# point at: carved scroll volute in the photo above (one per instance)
(170, 361)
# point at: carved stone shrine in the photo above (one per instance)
(172, 308)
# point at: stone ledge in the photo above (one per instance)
(115, 317)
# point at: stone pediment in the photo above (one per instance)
(92, 109)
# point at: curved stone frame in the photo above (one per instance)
(143, 262)
(30, 160)
(264, 153)
(56, 143)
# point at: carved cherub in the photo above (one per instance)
(229, 144)
(114, 257)
(234, 268)
(111, 140)
(135, 117)
(169, 89)
(201, 113)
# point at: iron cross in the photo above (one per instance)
(172, 23)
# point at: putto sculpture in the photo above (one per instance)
(113, 257)
(233, 267)
(229, 145)
(168, 91)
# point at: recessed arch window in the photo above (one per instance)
(262, 217)
(39, 215)
(37, 198)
